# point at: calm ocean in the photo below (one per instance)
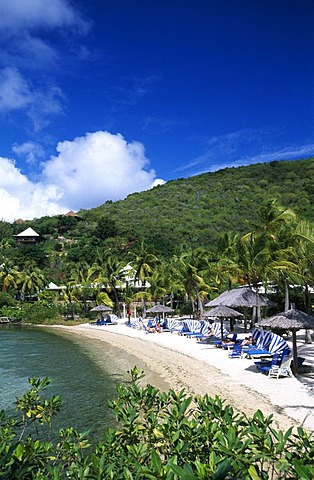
(84, 372)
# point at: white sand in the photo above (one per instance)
(199, 368)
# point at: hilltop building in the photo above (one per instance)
(27, 236)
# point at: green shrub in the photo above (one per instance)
(14, 313)
(161, 435)
(37, 313)
(7, 300)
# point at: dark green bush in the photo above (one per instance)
(40, 314)
(161, 435)
(7, 300)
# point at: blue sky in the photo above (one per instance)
(99, 99)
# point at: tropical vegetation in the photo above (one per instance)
(159, 435)
(181, 243)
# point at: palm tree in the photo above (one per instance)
(10, 276)
(69, 296)
(304, 237)
(167, 282)
(265, 253)
(108, 271)
(78, 282)
(225, 263)
(271, 216)
(192, 265)
(144, 262)
(159, 285)
(33, 280)
(253, 255)
(226, 273)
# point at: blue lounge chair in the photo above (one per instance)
(151, 324)
(265, 367)
(301, 360)
(257, 333)
(226, 344)
(261, 347)
(136, 323)
(215, 332)
(236, 351)
(191, 326)
(202, 333)
(272, 343)
(173, 325)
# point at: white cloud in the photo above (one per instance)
(16, 15)
(15, 92)
(97, 167)
(157, 182)
(39, 104)
(30, 150)
(19, 197)
(86, 172)
(33, 37)
(260, 145)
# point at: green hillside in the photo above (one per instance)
(191, 211)
(196, 210)
(158, 233)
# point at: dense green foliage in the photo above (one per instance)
(198, 209)
(183, 243)
(194, 211)
(160, 435)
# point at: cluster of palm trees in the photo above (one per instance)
(277, 249)
(27, 282)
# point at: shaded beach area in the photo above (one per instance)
(173, 361)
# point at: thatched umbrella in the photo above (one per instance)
(222, 312)
(292, 320)
(240, 297)
(101, 308)
(158, 308)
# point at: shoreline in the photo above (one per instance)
(180, 363)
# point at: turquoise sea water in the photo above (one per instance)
(83, 372)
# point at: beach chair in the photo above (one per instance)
(151, 324)
(136, 323)
(236, 351)
(215, 333)
(300, 361)
(173, 325)
(257, 333)
(205, 331)
(202, 330)
(190, 326)
(111, 319)
(284, 370)
(272, 344)
(266, 366)
(228, 343)
(261, 347)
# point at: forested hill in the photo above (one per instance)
(189, 212)
(196, 209)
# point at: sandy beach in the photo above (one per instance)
(179, 362)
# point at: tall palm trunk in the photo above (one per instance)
(308, 337)
(116, 300)
(287, 298)
(143, 307)
(200, 305)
